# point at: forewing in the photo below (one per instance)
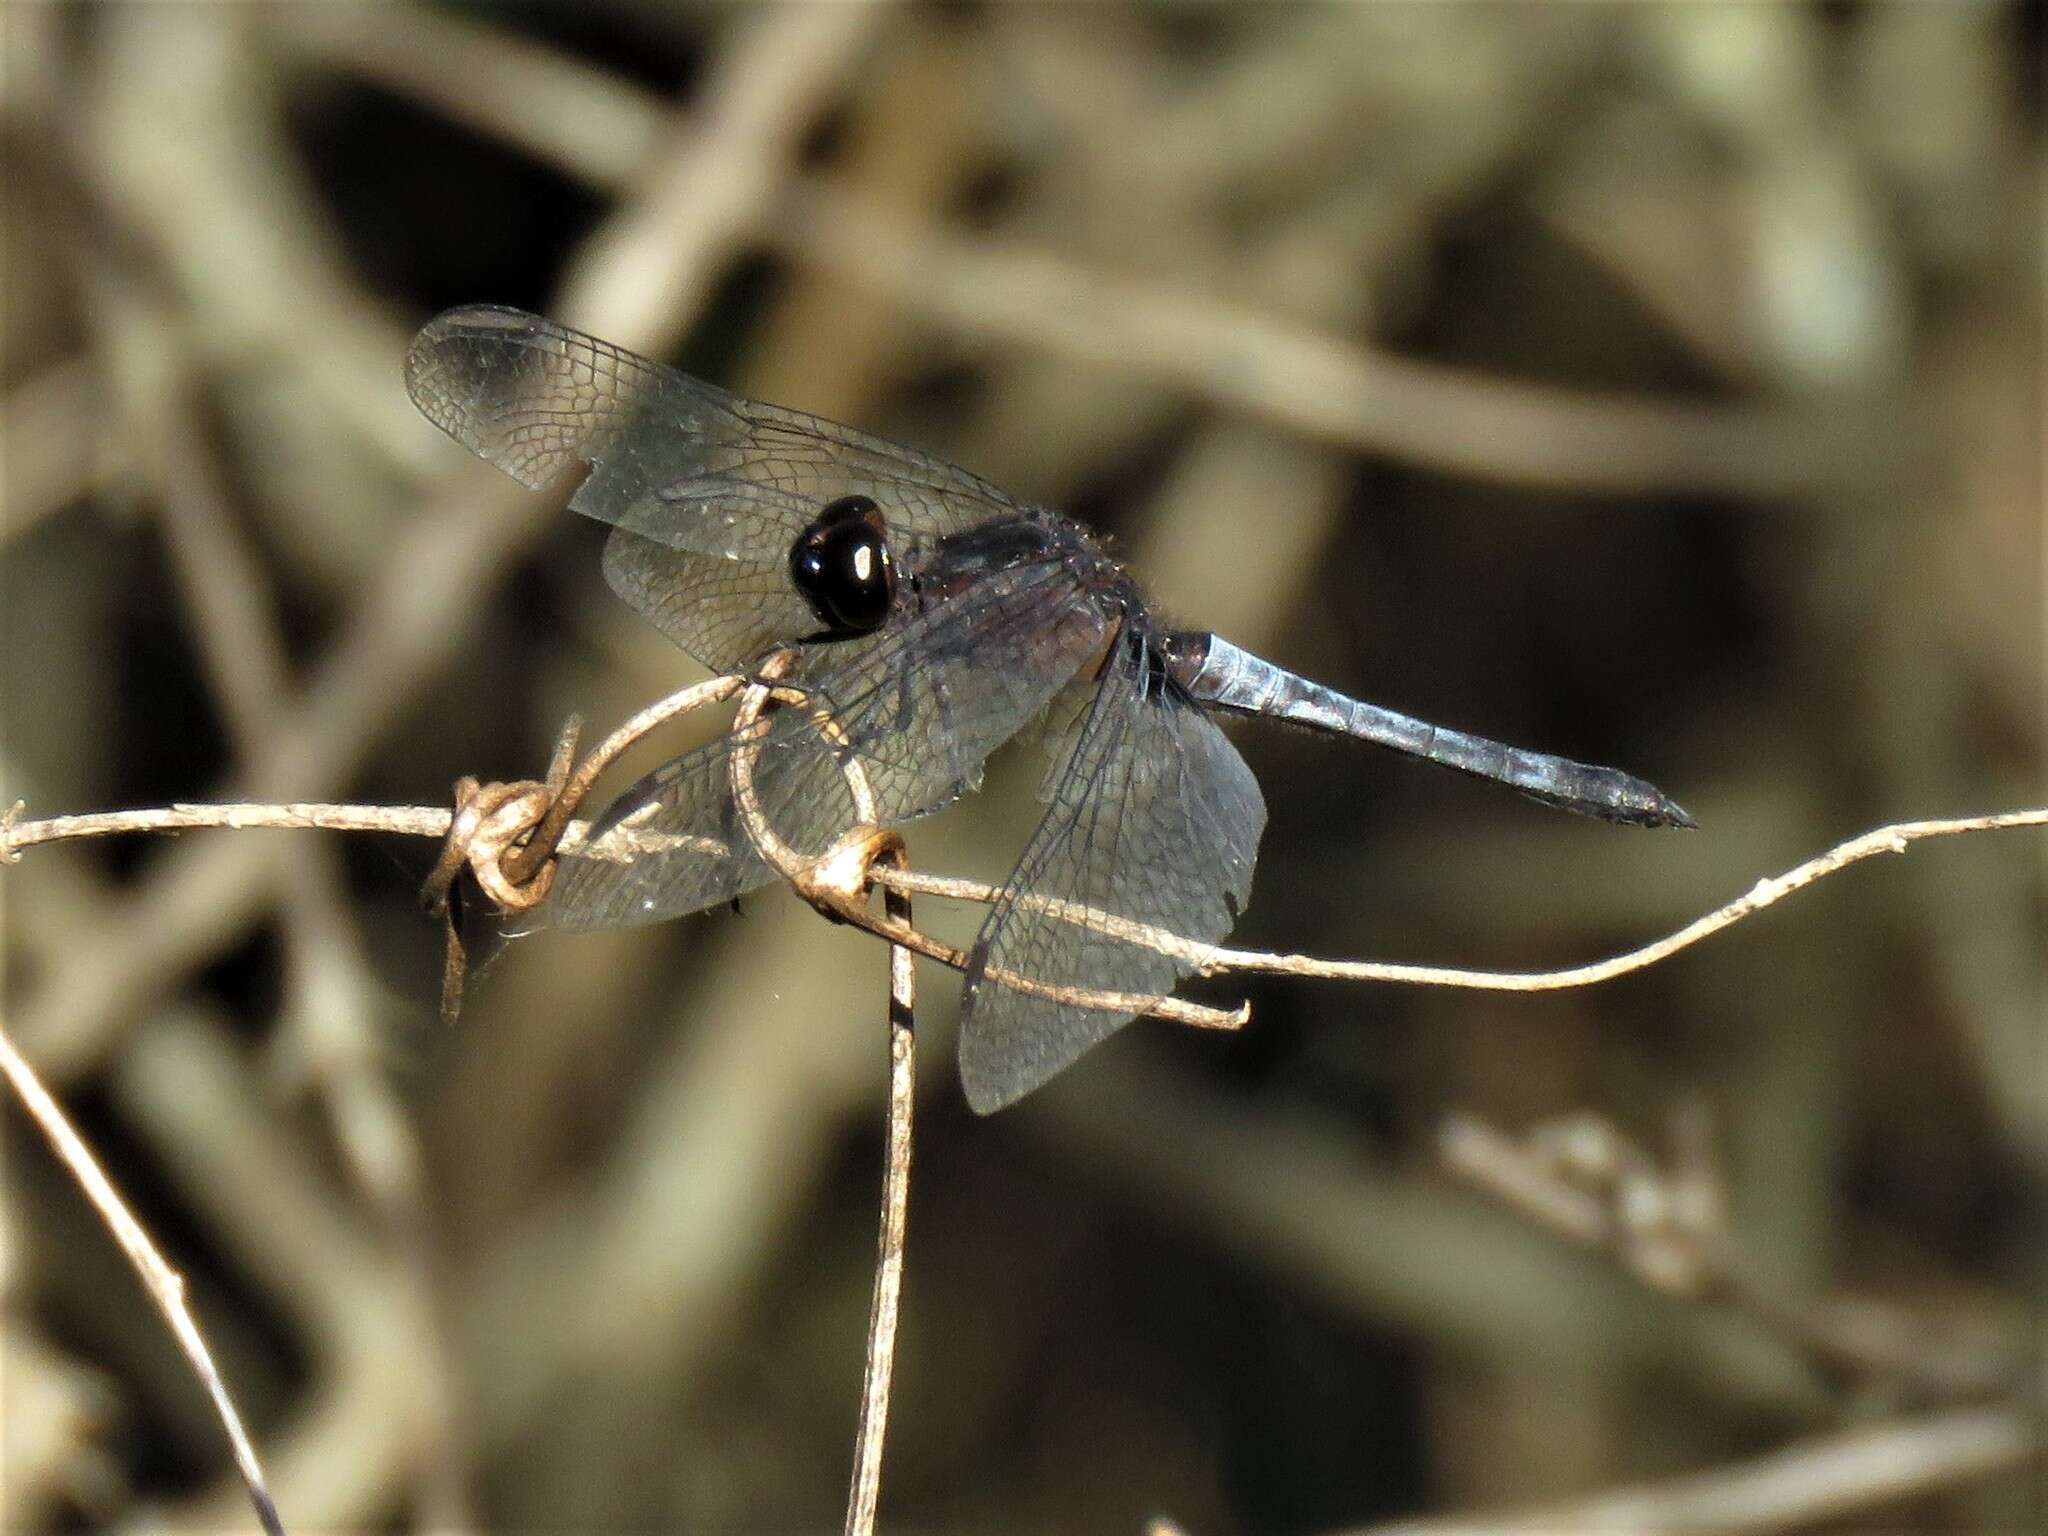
(1154, 818)
(920, 705)
(725, 613)
(670, 457)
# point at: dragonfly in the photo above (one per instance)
(931, 618)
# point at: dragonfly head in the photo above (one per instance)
(842, 565)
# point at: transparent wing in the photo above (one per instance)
(1153, 817)
(726, 613)
(674, 843)
(670, 457)
(921, 705)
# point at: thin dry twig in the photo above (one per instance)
(165, 1285)
(1215, 960)
(16, 833)
(835, 885)
(1582, 1179)
(1828, 1477)
(507, 835)
(865, 1494)
(1894, 838)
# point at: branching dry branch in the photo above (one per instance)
(1584, 1180)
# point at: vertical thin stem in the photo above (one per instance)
(164, 1284)
(866, 1491)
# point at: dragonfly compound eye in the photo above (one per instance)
(842, 566)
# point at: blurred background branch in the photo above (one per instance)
(1655, 384)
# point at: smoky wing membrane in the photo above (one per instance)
(518, 392)
(675, 843)
(1152, 817)
(670, 457)
(920, 706)
(726, 613)
(536, 399)
(924, 702)
(819, 461)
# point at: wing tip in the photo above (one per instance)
(482, 316)
(1008, 1051)
(983, 1098)
(973, 1083)
(987, 1089)
(447, 367)
(464, 320)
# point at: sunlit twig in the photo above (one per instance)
(1827, 1478)
(165, 1285)
(865, 1493)
(1894, 838)
(837, 892)
(18, 833)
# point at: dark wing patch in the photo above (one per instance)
(1153, 817)
(670, 457)
(921, 704)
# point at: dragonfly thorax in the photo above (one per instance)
(842, 565)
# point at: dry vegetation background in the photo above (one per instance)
(1654, 384)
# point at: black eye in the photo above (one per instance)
(842, 566)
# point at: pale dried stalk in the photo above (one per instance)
(1831, 1477)
(165, 1285)
(839, 888)
(1216, 960)
(624, 842)
(883, 1313)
